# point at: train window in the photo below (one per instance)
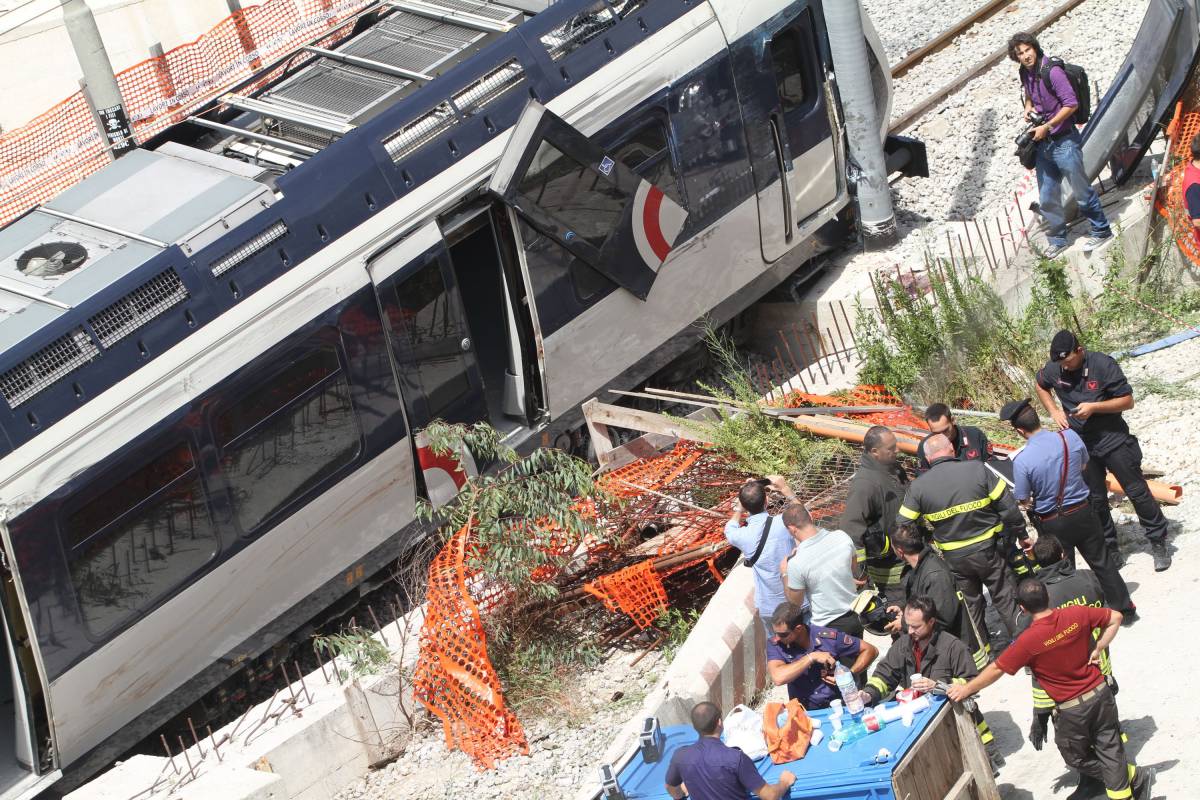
(286, 435)
(590, 206)
(430, 330)
(791, 70)
(139, 540)
(648, 154)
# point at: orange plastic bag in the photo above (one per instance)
(788, 742)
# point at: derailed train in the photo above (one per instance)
(216, 352)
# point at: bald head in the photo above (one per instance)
(938, 446)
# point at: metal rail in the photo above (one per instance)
(910, 116)
(939, 42)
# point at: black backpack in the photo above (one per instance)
(1078, 78)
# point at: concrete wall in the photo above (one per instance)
(723, 660)
(36, 54)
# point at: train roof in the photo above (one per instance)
(117, 269)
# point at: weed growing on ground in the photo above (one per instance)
(1171, 390)
(754, 441)
(677, 625)
(960, 344)
(539, 664)
(365, 654)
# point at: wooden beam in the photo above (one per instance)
(597, 413)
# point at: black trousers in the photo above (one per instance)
(1125, 463)
(1088, 736)
(981, 565)
(1080, 530)
(847, 623)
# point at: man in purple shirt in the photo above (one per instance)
(1059, 148)
(711, 770)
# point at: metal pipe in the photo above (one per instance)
(255, 136)
(98, 73)
(103, 226)
(848, 45)
(367, 63)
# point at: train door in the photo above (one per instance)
(786, 106)
(24, 735)
(583, 199)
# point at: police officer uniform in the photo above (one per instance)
(932, 578)
(945, 659)
(870, 518)
(970, 444)
(973, 516)
(1049, 473)
(1111, 447)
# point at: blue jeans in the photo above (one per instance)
(1059, 159)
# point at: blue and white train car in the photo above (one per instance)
(214, 353)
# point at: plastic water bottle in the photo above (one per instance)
(846, 685)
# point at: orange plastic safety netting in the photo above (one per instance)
(63, 146)
(636, 591)
(454, 678)
(1169, 202)
(860, 396)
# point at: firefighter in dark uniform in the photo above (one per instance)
(975, 521)
(871, 505)
(1093, 392)
(1065, 586)
(970, 443)
(938, 657)
(926, 575)
(1059, 648)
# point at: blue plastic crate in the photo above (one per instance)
(849, 774)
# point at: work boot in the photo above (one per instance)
(1143, 783)
(1162, 559)
(995, 757)
(1129, 616)
(1115, 555)
(1089, 788)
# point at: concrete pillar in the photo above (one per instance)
(848, 45)
(102, 88)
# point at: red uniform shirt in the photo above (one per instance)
(1056, 647)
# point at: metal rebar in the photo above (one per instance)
(170, 756)
(195, 738)
(849, 327)
(950, 248)
(983, 245)
(1000, 233)
(787, 346)
(841, 338)
(963, 253)
(812, 348)
(995, 262)
(836, 353)
(287, 679)
(1012, 237)
(212, 740)
(970, 242)
(303, 683)
(186, 757)
(1020, 211)
(378, 627)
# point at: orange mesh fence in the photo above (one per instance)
(664, 531)
(454, 679)
(636, 590)
(865, 395)
(63, 146)
(1170, 201)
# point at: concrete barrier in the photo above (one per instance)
(723, 660)
(307, 743)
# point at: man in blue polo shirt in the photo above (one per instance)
(805, 656)
(759, 528)
(1049, 480)
(711, 770)
(1048, 91)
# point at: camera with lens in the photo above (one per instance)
(1026, 146)
(1025, 138)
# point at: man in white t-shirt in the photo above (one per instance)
(823, 570)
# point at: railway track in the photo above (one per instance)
(945, 39)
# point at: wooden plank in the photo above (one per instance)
(645, 421)
(933, 764)
(974, 755)
(961, 790)
(601, 440)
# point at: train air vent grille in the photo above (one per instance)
(419, 132)
(138, 307)
(47, 366)
(489, 87)
(578, 31)
(249, 249)
(626, 7)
